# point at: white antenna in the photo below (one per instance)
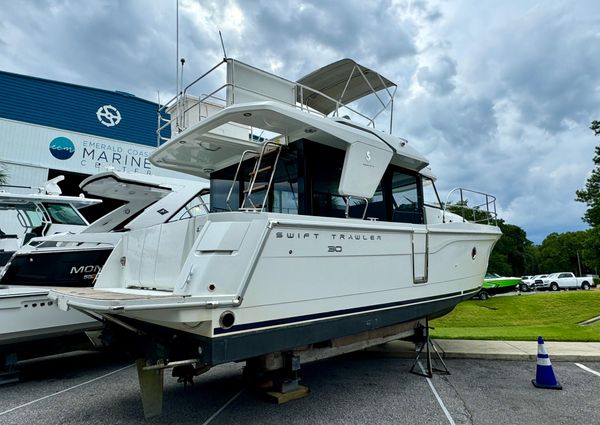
(222, 45)
(177, 47)
(177, 118)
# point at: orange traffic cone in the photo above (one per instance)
(544, 375)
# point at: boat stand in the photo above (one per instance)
(9, 373)
(424, 341)
(278, 386)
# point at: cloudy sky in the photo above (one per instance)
(498, 95)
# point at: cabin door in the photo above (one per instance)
(420, 250)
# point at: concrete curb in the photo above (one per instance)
(496, 350)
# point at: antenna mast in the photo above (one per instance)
(177, 62)
(222, 45)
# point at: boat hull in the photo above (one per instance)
(72, 267)
(286, 335)
(27, 315)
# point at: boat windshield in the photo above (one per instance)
(198, 205)
(20, 216)
(305, 181)
(64, 214)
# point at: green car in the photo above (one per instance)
(494, 284)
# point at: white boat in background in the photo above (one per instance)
(24, 216)
(28, 319)
(73, 260)
(321, 228)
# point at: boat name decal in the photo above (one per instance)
(332, 236)
(85, 269)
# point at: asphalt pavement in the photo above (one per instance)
(365, 387)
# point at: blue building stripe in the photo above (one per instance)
(73, 107)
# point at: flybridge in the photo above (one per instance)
(329, 91)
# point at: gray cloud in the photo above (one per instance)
(498, 96)
(438, 78)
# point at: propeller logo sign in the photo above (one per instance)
(62, 148)
(108, 115)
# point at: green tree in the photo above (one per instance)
(590, 254)
(560, 252)
(591, 194)
(512, 255)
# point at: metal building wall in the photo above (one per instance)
(78, 108)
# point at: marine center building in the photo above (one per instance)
(51, 128)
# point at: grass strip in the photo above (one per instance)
(555, 316)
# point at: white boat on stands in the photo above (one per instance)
(320, 228)
(27, 316)
(24, 216)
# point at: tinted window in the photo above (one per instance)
(64, 214)
(405, 198)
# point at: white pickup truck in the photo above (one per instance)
(557, 281)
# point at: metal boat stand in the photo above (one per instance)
(276, 385)
(8, 370)
(424, 341)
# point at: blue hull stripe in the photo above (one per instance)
(365, 309)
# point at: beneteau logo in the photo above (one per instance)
(108, 115)
(62, 148)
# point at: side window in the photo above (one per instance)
(430, 195)
(325, 165)
(286, 198)
(376, 207)
(198, 205)
(405, 198)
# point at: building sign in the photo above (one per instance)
(114, 155)
(77, 152)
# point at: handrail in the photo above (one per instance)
(347, 211)
(235, 178)
(489, 216)
(255, 175)
(181, 114)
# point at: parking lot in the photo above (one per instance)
(356, 389)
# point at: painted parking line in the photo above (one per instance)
(438, 398)
(65, 390)
(214, 415)
(587, 369)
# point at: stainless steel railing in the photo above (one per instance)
(471, 205)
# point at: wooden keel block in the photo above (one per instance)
(280, 398)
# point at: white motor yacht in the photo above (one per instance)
(321, 227)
